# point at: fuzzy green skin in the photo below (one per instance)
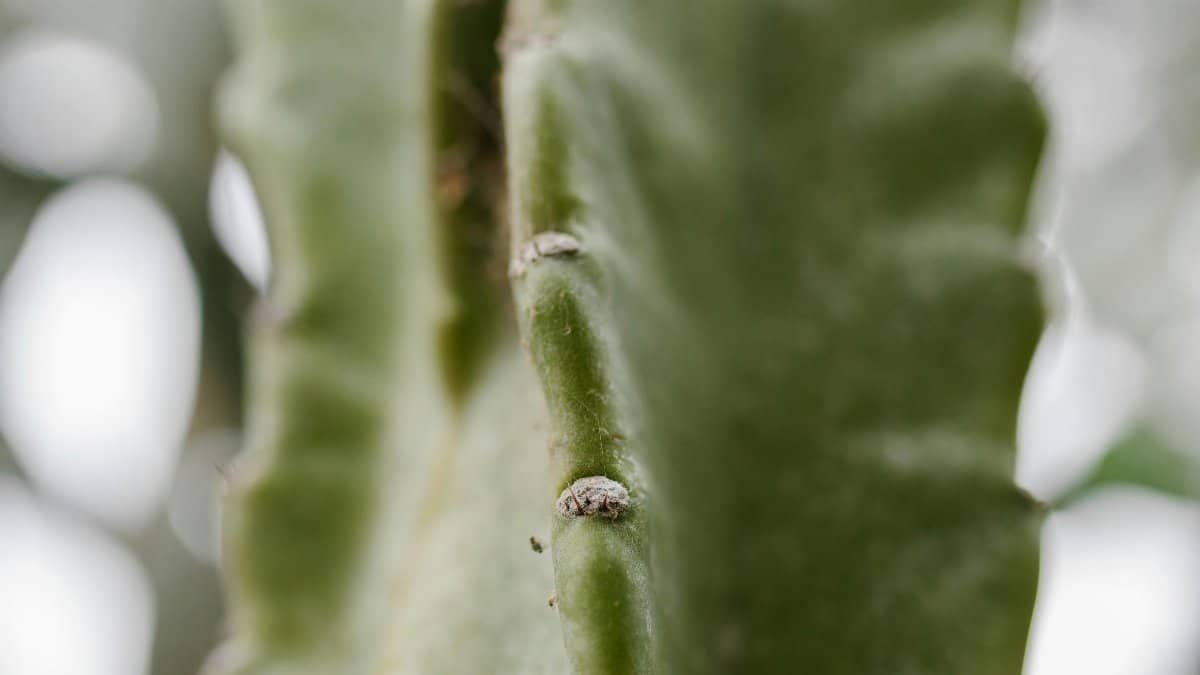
(477, 594)
(339, 151)
(380, 520)
(601, 565)
(799, 225)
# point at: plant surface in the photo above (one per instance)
(763, 256)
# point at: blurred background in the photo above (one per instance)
(131, 246)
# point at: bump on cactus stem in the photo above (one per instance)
(543, 244)
(593, 496)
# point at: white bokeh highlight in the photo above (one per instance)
(237, 220)
(1182, 248)
(69, 106)
(73, 601)
(1119, 588)
(1174, 393)
(99, 346)
(1085, 387)
(1113, 172)
(1097, 116)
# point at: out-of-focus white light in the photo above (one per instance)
(1084, 386)
(1183, 240)
(1118, 588)
(74, 602)
(1111, 76)
(1174, 382)
(99, 344)
(194, 506)
(1092, 78)
(69, 106)
(237, 219)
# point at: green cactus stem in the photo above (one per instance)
(378, 520)
(795, 327)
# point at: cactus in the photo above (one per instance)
(764, 266)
